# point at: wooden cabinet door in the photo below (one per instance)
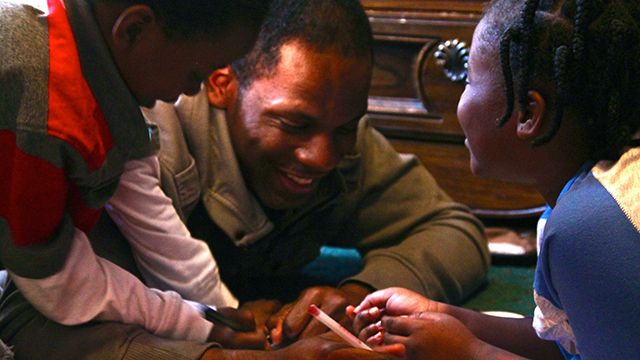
(420, 56)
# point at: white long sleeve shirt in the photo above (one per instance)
(168, 257)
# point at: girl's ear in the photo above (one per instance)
(530, 123)
(222, 87)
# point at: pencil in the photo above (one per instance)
(336, 328)
(213, 315)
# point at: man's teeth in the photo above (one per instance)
(300, 180)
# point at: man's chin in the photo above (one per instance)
(285, 203)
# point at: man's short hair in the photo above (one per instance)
(192, 18)
(321, 25)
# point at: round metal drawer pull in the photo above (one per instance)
(453, 56)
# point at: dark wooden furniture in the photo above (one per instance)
(421, 48)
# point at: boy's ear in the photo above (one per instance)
(530, 123)
(222, 87)
(135, 23)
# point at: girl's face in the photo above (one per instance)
(494, 151)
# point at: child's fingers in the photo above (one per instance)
(400, 325)
(376, 339)
(376, 299)
(370, 331)
(366, 317)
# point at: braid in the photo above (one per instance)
(519, 33)
(527, 48)
(560, 65)
(505, 46)
(588, 49)
(616, 132)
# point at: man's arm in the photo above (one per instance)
(413, 235)
(166, 254)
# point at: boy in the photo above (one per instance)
(71, 81)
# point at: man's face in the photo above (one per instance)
(291, 128)
(165, 67)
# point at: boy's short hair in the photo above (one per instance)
(189, 18)
(321, 25)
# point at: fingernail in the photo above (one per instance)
(378, 337)
(374, 311)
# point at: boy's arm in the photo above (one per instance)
(51, 259)
(166, 254)
(91, 288)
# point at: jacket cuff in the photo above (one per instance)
(383, 271)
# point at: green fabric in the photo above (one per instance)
(509, 288)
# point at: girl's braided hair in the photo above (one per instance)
(584, 54)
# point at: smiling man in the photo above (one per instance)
(273, 161)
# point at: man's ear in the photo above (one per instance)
(222, 87)
(134, 24)
(530, 122)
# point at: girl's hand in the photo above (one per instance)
(391, 301)
(424, 335)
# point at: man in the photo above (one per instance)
(273, 161)
(72, 78)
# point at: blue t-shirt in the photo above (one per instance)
(587, 281)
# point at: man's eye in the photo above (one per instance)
(290, 125)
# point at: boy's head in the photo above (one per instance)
(293, 103)
(164, 48)
(573, 63)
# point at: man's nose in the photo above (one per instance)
(319, 153)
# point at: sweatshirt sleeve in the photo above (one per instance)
(91, 288)
(433, 245)
(52, 262)
(166, 254)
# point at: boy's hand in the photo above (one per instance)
(293, 322)
(249, 337)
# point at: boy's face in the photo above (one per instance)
(162, 68)
(291, 128)
(493, 151)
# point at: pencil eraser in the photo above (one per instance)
(313, 310)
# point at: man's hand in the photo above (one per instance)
(311, 348)
(293, 322)
(249, 337)
(262, 310)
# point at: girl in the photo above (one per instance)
(561, 80)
